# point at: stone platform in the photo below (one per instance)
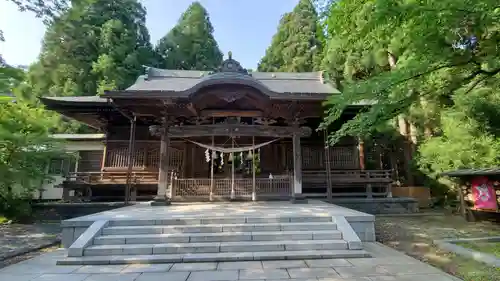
(196, 232)
(381, 205)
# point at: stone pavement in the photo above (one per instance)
(386, 265)
(20, 238)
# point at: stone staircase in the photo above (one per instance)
(214, 239)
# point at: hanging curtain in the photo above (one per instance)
(235, 149)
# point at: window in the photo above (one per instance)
(61, 166)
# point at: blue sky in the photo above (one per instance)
(241, 26)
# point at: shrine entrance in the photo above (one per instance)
(233, 173)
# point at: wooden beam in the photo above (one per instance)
(237, 130)
(231, 113)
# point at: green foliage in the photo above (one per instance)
(25, 148)
(435, 62)
(297, 46)
(190, 45)
(45, 9)
(92, 47)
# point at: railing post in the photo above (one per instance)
(171, 185)
(369, 191)
(389, 185)
(254, 188)
(212, 181)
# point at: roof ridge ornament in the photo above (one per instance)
(231, 65)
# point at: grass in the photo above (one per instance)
(481, 246)
(415, 235)
(3, 219)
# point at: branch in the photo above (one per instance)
(486, 75)
(425, 73)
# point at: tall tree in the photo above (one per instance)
(436, 62)
(93, 46)
(190, 45)
(297, 46)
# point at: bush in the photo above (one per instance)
(16, 209)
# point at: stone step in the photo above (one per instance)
(214, 247)
(213, 257)
(220, 220)
(217, 237)
(214, 228)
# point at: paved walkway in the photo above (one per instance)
(386, 265)
(20, 238)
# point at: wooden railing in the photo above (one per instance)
(193, 188)
(119, 177)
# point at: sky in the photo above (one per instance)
(243, 27)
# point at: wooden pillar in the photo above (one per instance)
(361, 149)
(104, 152)
(212, 181)
(130, 159)
(328, 167)
(297, 166)
(193, 160)
(161, 192)
(463, 206)
(254, 192)
(233, 192)
(185, 155)
(284, 167)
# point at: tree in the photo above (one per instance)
(92, 47)
(190, 45)
(25, 147)
(45, 9)
(297, 45)
(422, 60)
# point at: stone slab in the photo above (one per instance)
(164, 276)
(199, 266)
(319, 263)
(239, 265)
(57, 277)
(139, 268)
(312, 272)
(114, 277)
(25, 277)
(100, 269)
(283, 264)
(219, 275)
(263, 274)
(361, 271)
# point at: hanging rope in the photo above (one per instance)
(235, 149)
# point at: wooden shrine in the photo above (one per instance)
(225, 134)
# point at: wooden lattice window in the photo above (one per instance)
(344, 157)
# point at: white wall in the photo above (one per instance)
(49, 191)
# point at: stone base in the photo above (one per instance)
(161, 202)
(298, 199)
(396, 205)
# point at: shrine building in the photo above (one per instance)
(178, 135)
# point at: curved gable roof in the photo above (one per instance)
(183, 83)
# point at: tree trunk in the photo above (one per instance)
(404, 130)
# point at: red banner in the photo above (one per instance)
(484, 194)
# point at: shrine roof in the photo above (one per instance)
(472, 172)
(74, 100)
(179, 81)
